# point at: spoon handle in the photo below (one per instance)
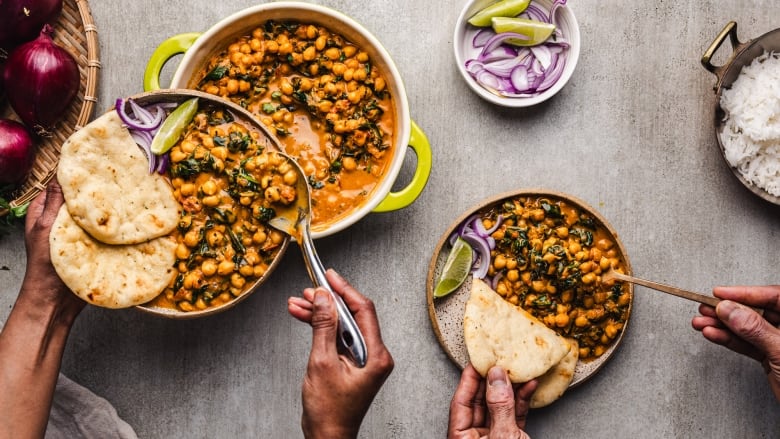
(349, 333)
(696, 297)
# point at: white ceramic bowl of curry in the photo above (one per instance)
(348, 179)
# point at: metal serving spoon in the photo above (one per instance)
(690, 295)
(295, 220)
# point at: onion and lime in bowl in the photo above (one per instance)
(516, 53)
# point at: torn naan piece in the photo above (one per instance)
(107, 186)
(555, 381)
(111, 276)
(499, 333)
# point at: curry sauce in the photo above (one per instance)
(322, 97)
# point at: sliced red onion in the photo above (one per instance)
(480, 268)
(554, 8)
(544, 56)
(141, 119)
(534, 12)
(495, 280)
(143, 124)
(498, 54)
(519, 78)
(481, 37)
(503, 74)
(496, 225)
(144, 140)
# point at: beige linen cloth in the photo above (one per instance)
(76, 413)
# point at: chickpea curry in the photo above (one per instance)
(228, 179)
(322, 97)
(548, 259)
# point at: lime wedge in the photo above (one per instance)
(455, 270)
(537, 31)
(173, 126)
(503, 8)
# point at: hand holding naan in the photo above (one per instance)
(40, 278)
(489, 408)
(734, 325)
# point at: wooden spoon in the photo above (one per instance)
(696, 297)
(712, 301)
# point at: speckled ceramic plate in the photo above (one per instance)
(446, 313)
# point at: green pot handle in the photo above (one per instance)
(166, 50)
(406, 196)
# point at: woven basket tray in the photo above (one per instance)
(75, 31)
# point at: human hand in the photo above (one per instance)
(41, 281)
(336, 393)
(504, 415)
(734, 325)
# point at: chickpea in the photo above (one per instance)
(237, 281)
(211, 201)
(332, 53)
(259, 237)
(226, 267)
(320, 42)
(349, 51)
(537, 286)
(177, 155)
(192, 238)
(581, 321)
(215, 238)
(208, 267)
(277, 237)
(187, 189)
(561, 320)
(273, 194)
(513, 275)
(604, 244)
(588, 278)
(362, 56)
(182, 251)
(499, 262)
(599, 350)
(501, 289)
(232, 86)
(209, 187)
(574, 247)
(260, 270)
(219, 152)
(611, 330)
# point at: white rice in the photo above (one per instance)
(751, 133)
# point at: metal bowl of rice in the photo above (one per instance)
(747, 124)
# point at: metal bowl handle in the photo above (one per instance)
(729, 30)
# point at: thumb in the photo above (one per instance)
(751, 327)
(324, 324)
(501, 404)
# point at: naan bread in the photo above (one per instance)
(112, 276)
(107, 186)
(498, 333)
(555, 382)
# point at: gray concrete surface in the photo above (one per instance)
(631, 134)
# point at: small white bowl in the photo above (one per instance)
(464, 50)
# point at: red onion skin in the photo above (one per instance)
(41, 80)
(17, 152)
(22, 20)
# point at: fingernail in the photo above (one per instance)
(336, 273)
(320, 297)
(497, 377)
(728, 310)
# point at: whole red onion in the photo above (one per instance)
(17, 152)
(22, 20)
(41, 80)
